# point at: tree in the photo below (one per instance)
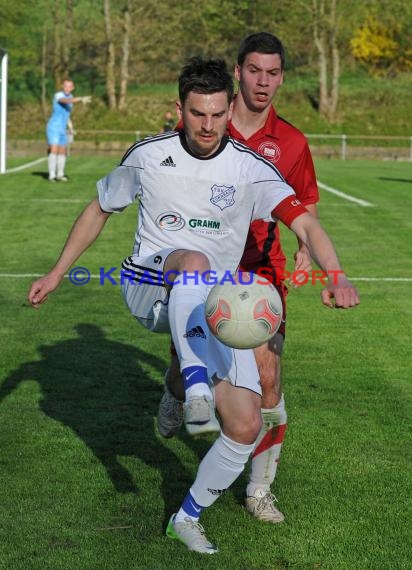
(44, 70)
(380, 47)
(72, 37)
(325, 31)
(312, 33)
(110, 56)
(67, 39)
(124, 66)
(117, 97)
(21, 35)
(62, 39)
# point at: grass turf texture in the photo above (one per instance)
(86, 480)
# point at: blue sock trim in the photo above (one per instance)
(190, 506)
(194, 375)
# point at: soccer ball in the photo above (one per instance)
(244, 313)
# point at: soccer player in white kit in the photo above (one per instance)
(198, 191)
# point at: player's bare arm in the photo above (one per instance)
(86, 99)
(309, 230)
(303, 260)
(302, 256)
(85, 230)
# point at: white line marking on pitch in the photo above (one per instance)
(345, 196)
(23, 166)
(94, 276)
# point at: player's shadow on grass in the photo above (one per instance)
(44, 175)
(407, 180)
(98, 388)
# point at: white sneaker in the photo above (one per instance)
(62, 179)
(199, 416)
(192, 534)
(169, 415)
(262, 506)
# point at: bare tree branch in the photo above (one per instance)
(110, 56)
(124, 66)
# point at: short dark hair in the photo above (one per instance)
(205, 76)
(261, 42)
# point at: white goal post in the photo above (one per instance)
(3, 109)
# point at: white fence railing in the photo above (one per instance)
(344, 142)
(343, 146)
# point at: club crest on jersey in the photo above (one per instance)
(223, 196)
(270, 151)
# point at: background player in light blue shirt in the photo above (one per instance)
(56, 129)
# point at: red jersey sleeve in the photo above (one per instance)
(302, 177)
(288, 210)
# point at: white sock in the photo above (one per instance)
(190, 332)
(220, 467)
(61, 163)
(265, 456)
(198, 389)
(52, 162)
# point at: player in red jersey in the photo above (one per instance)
(254, 122)
(260, 72)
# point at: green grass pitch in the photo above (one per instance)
(87, 483)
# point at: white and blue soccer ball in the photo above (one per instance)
(245, 312)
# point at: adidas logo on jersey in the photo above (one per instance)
(195, 331)
(168, 162)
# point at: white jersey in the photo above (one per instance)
(187, 202)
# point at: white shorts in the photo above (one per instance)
(145, 291)
(146, 295)
(233, 365)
